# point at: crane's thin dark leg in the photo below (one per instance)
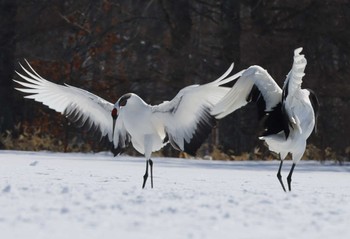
(151, 168)
(145, 176)
(279, 176)
(289, 178)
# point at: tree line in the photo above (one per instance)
(154, 48)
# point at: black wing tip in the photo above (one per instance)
(315, 103)
(121, 146)
(116, 151)
(255, 96)
(274, 121)
(285, 90)
(204, 127)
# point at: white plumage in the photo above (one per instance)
(289, 114)
(78, 105)
(185, 121)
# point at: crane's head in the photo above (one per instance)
(122, 101)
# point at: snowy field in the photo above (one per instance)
(56, 195)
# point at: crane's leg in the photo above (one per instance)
(289, 178)
(148, 141)
(146, 175)
(151, 168)
(279, 176)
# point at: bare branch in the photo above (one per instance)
(74, 23)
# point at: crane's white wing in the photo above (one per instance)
(296, 74)
(79, 106)
(292, 94)
(187, 118)
(254, 80)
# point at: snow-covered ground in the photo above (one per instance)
(56, 195)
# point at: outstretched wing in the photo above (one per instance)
(79, 106)
(187, 118)
(291, 90)
(296, 74)
(254, 83)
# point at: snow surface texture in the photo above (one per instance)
(56, 195)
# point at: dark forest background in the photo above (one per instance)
(156, 47)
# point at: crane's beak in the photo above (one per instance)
(114, 116)
(113, 128)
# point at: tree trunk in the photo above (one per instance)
(7, 48)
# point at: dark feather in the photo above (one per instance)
(121, 146)
(124, 99)
(285, 91)
(274, 121)
(315, 105)
(203, 129)
(285, 121)
(256, 96)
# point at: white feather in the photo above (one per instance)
(65, 99)
(237, 96)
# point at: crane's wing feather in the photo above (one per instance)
(79, 106)
(254, 82)
(291, 87)
(187, 118)
(295, 76)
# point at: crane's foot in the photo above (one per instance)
(145, 176)
(280, 180)
(289, 177)
(151, 168)
(279, 176)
